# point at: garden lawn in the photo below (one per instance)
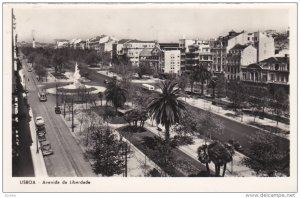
(113, 120)
(182, 165)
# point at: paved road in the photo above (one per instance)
(68, 159)
(232, 130)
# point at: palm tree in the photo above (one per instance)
(203, 156)
(115, 94)
(220, 156)
(166, 108)
(201, 74)
(217, 153)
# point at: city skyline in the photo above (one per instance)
(166, 23)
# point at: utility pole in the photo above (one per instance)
(72, 116)
(56, 95)
(37, 142)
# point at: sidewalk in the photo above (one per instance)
(137, 81)
(245, 119)
(37, 158)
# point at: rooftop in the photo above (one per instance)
(146, 52)
(239, 47)
(276, 60)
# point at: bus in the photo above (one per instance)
(148, 87)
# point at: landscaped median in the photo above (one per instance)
(173, 161)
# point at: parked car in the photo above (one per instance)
(57, 110)
(236, 145)
(41, 136)
(39, 121)
(46, 148)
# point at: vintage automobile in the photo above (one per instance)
(39, 121)
(41, 136)
(46, 148)
(57, 110)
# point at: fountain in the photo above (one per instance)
(76, 86)
(76, 81)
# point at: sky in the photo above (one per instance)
(163, 22)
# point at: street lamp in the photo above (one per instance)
(37, 140)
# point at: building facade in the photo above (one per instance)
(264, 44)
(274, 70)
(238, 57)
(191, 58)
(171, 62)
(62, 43)
(151, 58)
(133, 48)
(205, 55)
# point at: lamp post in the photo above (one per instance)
(37, 140)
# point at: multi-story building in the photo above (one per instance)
(81, 45)
(118, 47)
(274, 70)
(94, 43)
(171, 62)
(151, 58)
(239, 56)
(107, 46)
(101, 43)
(169, 46)
(133, 48)
(219, 53)
(62, 43)
(191, 58)
(184, 48)
(74, 43)
(219, 56)
(205, 55)
(264, 44)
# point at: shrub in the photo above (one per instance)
(181, 140)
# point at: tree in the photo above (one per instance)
(107, 152)
(200, 125)
(92, 58)
(203, 156)
(201, 74)
(166, 108)
(144, 69)
(212, 84)
(58, 61)
(236, 94)
(135, 115)
(115, 94)
(265, 155)
(280, 102)
(100, 96)
(221, 86)
(182, 83)
(105, 58)
(217, 153)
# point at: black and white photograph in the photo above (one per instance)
(120, 92)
